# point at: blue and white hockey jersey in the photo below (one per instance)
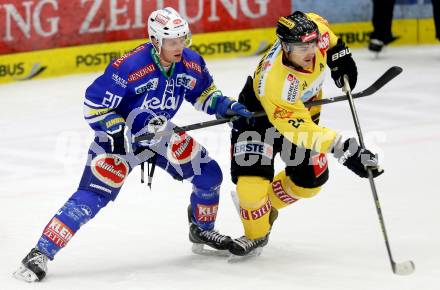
(134, 90)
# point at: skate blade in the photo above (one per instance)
(25, 274)
(237, 259)
(199, 249)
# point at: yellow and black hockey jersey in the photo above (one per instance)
(283, 90)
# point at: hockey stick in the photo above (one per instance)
(403, 268)
(390, 74)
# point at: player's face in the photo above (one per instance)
(172, 48)
(302, 54)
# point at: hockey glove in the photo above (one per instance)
(357, 159)
(341, 63)
(228, 108)
(117, 140)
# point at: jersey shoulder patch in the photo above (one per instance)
(193, 61)
(135, 65)
(126, 57)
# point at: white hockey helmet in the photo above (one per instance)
(167, 23)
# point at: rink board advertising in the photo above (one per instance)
(42, 38)
(95, 57)
(44, 24)
(47, 38)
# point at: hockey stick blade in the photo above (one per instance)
(390, 74)
(404, 268)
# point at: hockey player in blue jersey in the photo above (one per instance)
(140, 93)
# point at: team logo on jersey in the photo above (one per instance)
(279, 191)
(148, 86)
(281, 113)
(290, 88)
(206, 213)
(58, 232)
(324, 43)
(137, 75)
(168, 100)
(110, 169)
(182, 148)
(253, 147)
(119, 81)
(320, 164)
(187, 81)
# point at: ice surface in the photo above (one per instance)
(332, 241)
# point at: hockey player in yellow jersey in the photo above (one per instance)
(291, 73)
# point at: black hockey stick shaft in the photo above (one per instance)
(390, 74)
(373, 185)
(370, 173)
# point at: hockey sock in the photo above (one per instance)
(79, 209)
(283, 191)
(255, 205)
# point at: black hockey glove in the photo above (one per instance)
(341, 63)
(357, 159)
(117, 140)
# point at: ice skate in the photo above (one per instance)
(219, 244)
(33, 267)
(376, 45)
(243, 248)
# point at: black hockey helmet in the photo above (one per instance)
(297, 28)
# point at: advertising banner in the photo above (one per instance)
(43, 24)
(95, 57)
(409, 31)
